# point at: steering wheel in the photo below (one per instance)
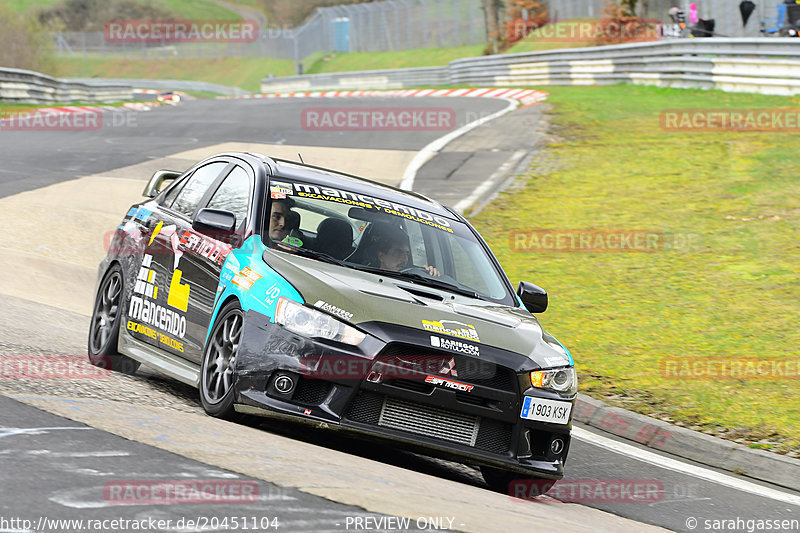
(416, 270)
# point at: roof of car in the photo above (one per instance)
(333, 179)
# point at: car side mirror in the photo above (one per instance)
(533, 297)
(157, 182)
(216, 222)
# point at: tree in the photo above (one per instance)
(23, 43)
(493, 25)
(629, 7)
(522, 17)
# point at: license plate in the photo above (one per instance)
(543, 410)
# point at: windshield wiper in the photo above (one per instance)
(423, 280)
(439, 284)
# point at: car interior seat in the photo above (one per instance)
(335, 238)
(366, 252)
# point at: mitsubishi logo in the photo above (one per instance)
(449, 368)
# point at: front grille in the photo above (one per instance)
(311, 391)
(482, 433)
(469, 369)
(429, 421)
(494, 436)
(412, 385)
(365, 408)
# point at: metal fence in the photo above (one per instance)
(373, 27)
(724, 12)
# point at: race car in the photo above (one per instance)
(283, 289)
(169, 97)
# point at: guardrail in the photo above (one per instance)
(364, 79)
(765, 65)
(28, 87)
(165, 85)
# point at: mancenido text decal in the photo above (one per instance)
(368, 202)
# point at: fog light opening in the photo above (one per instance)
(284, 384)
(557, 446)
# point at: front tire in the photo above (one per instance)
(104, 328)
(217, 371)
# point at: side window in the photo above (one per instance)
(191, 194)
(170, 197)
(233, 195)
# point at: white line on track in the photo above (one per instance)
(484, 187)
(684, 468)
(424, 155)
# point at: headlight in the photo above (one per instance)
(562, 380)
(311, 323)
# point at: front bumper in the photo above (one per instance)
(379, 390)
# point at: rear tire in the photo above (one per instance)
(217, 372)
(514, 484)
(104, 328)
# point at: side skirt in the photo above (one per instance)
(170, 365)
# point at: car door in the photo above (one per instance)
(205, 253)
(162, 290)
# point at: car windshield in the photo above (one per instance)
(382, 236)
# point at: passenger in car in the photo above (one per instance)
(279, 219)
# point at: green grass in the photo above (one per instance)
(20, 6)
(245, 72)
(248, 72)
(736, 294)
(7, 109)
(202, 95)
(197, 9)
(190, 9)
(426, 57)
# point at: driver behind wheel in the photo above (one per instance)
(393, 251)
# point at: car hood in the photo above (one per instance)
(359, 297)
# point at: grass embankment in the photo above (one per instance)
(565, 34)
(426, 57)
(190, 9)
(244, 72)
(247, 72)
(735, 294)
(9, 109)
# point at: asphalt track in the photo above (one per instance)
(60, 191)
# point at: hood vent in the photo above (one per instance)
(422, 293)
